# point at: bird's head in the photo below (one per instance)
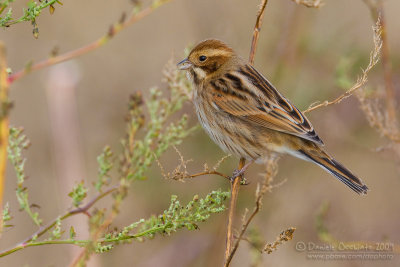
(208, 58)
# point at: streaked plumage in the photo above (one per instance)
(246, 116)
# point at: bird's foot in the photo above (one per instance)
(238, 174)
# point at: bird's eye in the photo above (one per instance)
(202, 58)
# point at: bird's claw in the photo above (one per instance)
(237, 173)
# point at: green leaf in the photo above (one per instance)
(72, 233)
(78, 193)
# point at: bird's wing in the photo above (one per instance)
(247, 94)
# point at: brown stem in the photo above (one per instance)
(4, 124)
(235, 184)
(377, 12)
(244, 229)
(256, 31)
(271, 170)
(208, 173)
(387, 71)
(115, 29)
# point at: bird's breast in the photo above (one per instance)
(226, 131)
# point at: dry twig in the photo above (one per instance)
(377, 12)
(257, 29)
(284, 236)
(235, 184)
(383, 119)
(180, 173)
(271, 171)
(361, 81)
(173, 78)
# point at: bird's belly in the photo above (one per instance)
(231, 136)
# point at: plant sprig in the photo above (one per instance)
(30, 13)
(176, 217)
(17, 143)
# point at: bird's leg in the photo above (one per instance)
(237, 173)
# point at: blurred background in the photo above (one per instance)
(71, 111)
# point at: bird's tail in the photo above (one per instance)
(329, 164)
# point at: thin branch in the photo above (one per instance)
(210, 172)
(41, 243)
(256, 31)
(361, 81)
(235, 184)
(377, 12)
(271, 171)
(115, 29)
(77, 242)
(84, 209)
(4, 124)
(180, 173)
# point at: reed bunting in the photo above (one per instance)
(246, 116)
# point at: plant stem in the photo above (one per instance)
(42, 243)
(50, 225)
(115, 29)
(235, 184)
(4, 125)
(363, 79)
(387, 71)
(26, 18)
(256, 31)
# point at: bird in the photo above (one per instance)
(248, 117)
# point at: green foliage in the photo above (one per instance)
(177, 216)
(30, 13)
(150, 132)
(173, 219)
(17, 143)
(57, 232)
(141, 154)
(105, 161)
(6, 216)
(78, 193)
(103, 248)
(152, 117)
(72, 233)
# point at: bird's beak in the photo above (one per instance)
(184, 64)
